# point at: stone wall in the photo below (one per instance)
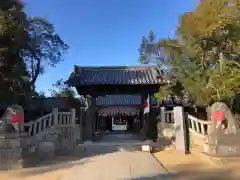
(20, 150)
(67, 139)
(15, 150)
(166, 135)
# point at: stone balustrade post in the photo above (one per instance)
(162, 114)
(73, 116)
(55, 116)
(181, 130)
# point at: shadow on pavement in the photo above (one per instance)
(80, 155)
(60, 162)
(202, 174)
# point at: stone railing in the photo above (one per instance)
(198, 130)
(39, 125)
(51, 133)
(67, 118)
(198, 126)
(168, 117)
(53, 119)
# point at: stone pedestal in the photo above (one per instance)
(13, 149)
(223, 145)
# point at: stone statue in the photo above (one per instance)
(85, 101)
(12, 120)
(222, 135)
(229, 124)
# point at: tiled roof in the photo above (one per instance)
(115, 75)
(110, 100)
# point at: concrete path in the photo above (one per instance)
(117, 163)
(118, 137)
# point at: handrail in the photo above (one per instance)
(64, 118)
(38, 119)
(38, 126)
(64, 113)
(199, 120)
(197, 125)
(45, 122)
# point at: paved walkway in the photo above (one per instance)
(116, 163)
(119, 137)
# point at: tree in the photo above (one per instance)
(27, 46)
(60, 89)
(13, 74)
(152, 51)
(41, 94)
(44, 47)
(205, 55)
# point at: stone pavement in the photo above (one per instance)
(114, 157)
(196, 166)
(116, 163)
(119, 137)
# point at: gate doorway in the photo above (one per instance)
(118, 124)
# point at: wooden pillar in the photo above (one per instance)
(152, 123)
(149, 119)
(100, 123)
(144, 116)
(90, 118)
(138, 123)
(81, 118)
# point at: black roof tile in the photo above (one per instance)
(124, 75)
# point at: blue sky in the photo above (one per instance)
(104, 32)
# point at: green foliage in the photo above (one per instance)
(204, 57)
(27, 46)
(60, 89)
(41, 94)
(13, 74)
(44, 47)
